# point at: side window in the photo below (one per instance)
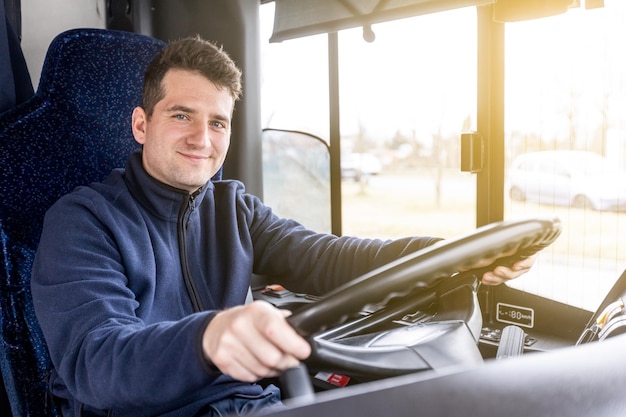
(296, 177)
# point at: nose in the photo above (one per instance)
(201, 136)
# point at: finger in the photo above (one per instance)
(274, 344)
(524, 264)
(235, 360)
(283, 336)
(267, 357)
(513, 272)
(489, 278)
(502, 274)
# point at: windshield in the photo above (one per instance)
(564, 92)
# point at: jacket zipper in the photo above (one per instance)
(183, 224)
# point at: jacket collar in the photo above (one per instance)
(162, 200)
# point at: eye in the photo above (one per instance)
(181, 116)
(218, 124)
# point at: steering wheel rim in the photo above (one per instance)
(425, 268)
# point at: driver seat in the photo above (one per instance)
(74, 130)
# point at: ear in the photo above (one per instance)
(139, 124)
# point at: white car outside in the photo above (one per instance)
(574, 178)
(358, 165)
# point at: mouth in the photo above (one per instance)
(194, 157)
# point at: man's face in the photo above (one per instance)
(186, 139)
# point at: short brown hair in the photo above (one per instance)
(190, 54)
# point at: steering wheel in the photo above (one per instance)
(506, 242)
(425, 268)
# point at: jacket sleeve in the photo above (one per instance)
(310, 262)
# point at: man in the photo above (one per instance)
(140, 281)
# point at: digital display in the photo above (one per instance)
(512, 314)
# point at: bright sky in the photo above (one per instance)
(420, 75)
(403, 80)
(570, 66)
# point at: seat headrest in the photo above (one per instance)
(77, 126)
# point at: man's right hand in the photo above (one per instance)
(253, 341)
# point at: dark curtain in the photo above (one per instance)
(15, 82)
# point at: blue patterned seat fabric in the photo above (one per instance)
(74, 130)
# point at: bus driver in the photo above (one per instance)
(140, 281)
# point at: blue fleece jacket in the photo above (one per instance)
(130, 271)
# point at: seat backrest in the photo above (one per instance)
(73, 131)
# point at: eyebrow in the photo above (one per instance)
(185, 109)
(178, 107)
